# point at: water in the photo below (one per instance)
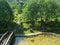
(38, 40)
(19, 39)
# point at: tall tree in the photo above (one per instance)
(44, 9)
(6, 16)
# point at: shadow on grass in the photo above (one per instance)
(52, 26)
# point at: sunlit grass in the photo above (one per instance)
(26, 31)
(29, 31)
(41, 40)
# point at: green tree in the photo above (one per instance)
(6, 16)
(30, 12)
(40, 9)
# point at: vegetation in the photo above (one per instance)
(6, 16)
(42, 13)
(30, 16)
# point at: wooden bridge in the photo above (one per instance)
(7, 38)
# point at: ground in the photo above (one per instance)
(41, 40)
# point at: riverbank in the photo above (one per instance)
(34, 34)
(38, 40)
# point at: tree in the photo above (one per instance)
(30, 12)
(6, 16)
(40, 9)
(51, 10)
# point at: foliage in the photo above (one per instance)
(41, 8)
(6, 16)
(19, 8)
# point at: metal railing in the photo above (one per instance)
(2, 38)
(8, 39)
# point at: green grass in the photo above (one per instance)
(41, 40)
(26, 31)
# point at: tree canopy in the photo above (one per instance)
(6, 16)
(36, 9)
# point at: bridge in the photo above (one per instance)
(7, 38)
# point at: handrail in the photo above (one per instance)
(3, 36)
(5, 43)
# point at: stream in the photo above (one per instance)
(18, 40)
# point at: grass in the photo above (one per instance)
(41, 40)
(26, 31)
(33, 31)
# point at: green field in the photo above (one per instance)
(41, 40)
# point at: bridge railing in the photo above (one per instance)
(8, 41)
(3, 36)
